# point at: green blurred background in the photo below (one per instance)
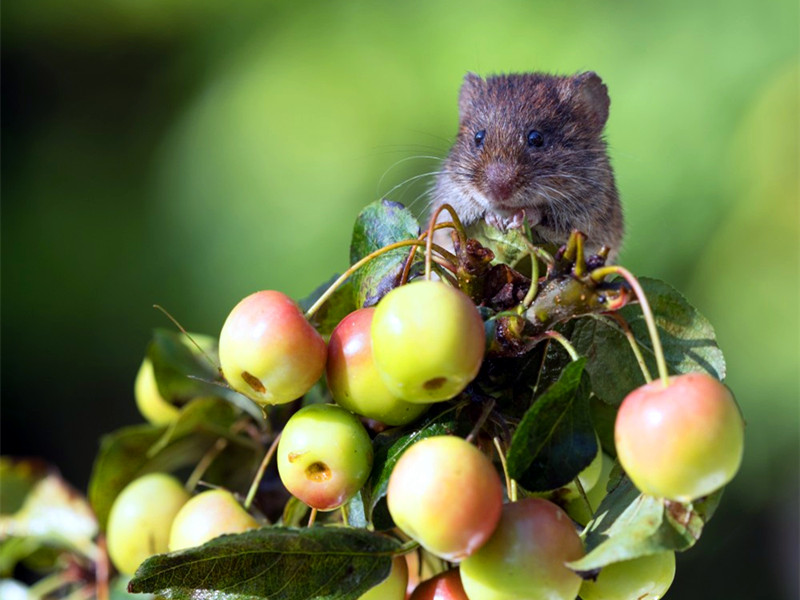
(188, 153)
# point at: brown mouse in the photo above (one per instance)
(530, 146)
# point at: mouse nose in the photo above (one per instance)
(500, 181)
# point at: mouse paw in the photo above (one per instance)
(504, 223)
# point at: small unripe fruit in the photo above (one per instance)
(268, 351)
(394, 586)
(149, 401)
(428, 341)
(681, 441)
(353, 379)
(577, 508)
(140, 519)
(324, 456)
(524, 559)
(445, 586)
(447, 495)
(206, 516)
(644, 578)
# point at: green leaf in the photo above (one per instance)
(54, 514)
(17, 479)
(629, 524)
(335, 308)
(508, 247)
(183, 373)
(687, 337)
(689, 341)
(381, 223)
(318, 563)
(390, 445)
(555, 439)
(207, 415)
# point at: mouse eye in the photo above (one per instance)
(479, 137)
(535, 139)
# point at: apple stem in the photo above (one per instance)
(658, 350)
(432, 226)
(637, 352)
(534, 289)
(488, 407)
(345, 520)
(204, 463)
(511, 485)
(413, 252)
(186, 333)
(573, 354)
(50, 584)
(251, 493)
(357, 265)
(312, 517)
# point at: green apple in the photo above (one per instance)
(428, 341)
(680, 441)
(353, 380)
(206, 516)
(524, 559)
(446, 494)
(149, 401)
(394, 586)
(644, 578)
(444, 586)
(324, 455)
(140, 519)
(268, 351)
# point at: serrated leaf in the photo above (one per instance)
(334, 309)
(390, 445)
(318, 563)
(381, 223)
(688, 338)
(629, 524)
(555, 439)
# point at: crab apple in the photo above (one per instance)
(206, 516)
(353, 379)
(324, 455)
(643, 578)
(268, 351)
(394, 586)
(428, 341)
(680, 441)
(445, 586)
(446, 494)
(149, 401)
(140, 519)
(524, 559)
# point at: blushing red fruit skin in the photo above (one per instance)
(445, 586)
(428, 341)
(524, 559)
(446, 494)
(681, 441)
(353, 379)
(324, 455)
(268, 351)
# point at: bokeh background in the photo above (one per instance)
(189, 152)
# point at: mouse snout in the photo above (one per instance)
(500, 179)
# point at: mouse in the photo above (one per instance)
(530, 147)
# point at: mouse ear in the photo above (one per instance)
(470, 89)
(591, 96)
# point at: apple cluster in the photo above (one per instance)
(424, 342)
